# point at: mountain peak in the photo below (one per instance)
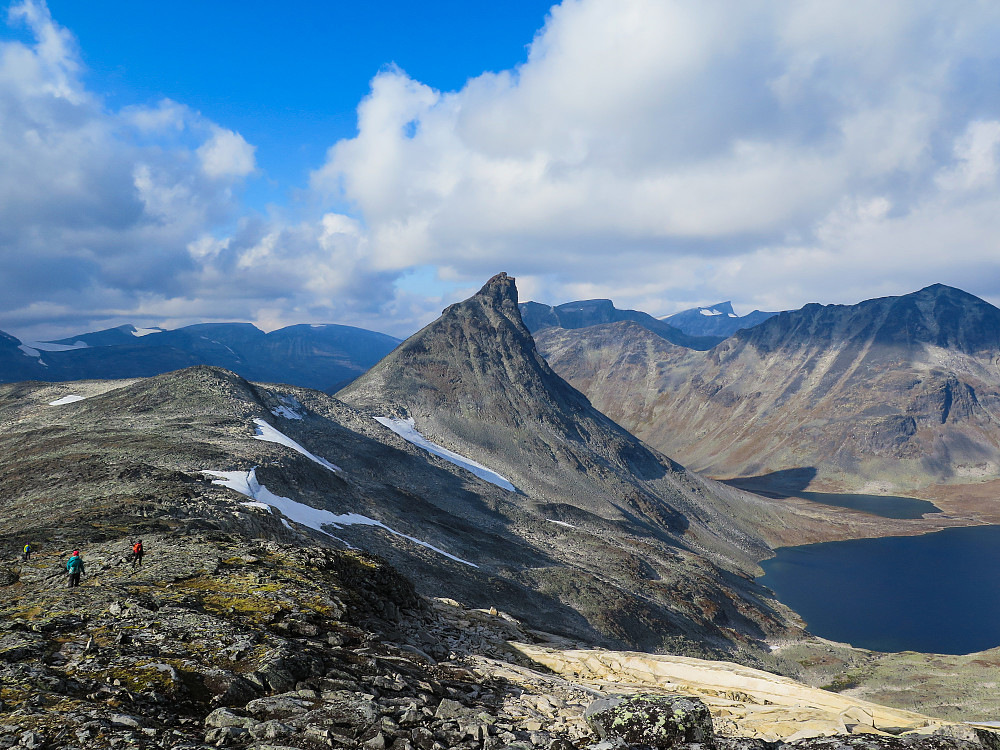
(500, 291)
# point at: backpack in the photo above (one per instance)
(137, 548)
(74, 564)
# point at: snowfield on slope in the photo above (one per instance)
(268, 434)
(407, 430)
(71, 399)
(245, 482)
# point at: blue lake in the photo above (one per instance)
(937, 593)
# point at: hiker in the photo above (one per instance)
(26, 553)
(136, 554)
(75, 568)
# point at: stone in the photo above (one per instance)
(271, 730)
(31, 740)
(450, 709)
(857, 715)
(660, 722)
(279, 706)
(222, 735)
(224, 717)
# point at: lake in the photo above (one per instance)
(937, 593)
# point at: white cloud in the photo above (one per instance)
(658, 139)
(226, 155)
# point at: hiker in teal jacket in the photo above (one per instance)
(75, 568)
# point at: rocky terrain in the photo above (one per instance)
(592, 312)
(892, 394)
(324, 357)
(234, 632)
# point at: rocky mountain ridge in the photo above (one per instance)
(897, 392)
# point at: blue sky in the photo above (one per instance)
(371, 163)
(288, 78)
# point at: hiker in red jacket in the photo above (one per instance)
(136, 554)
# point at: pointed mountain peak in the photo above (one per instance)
(500, 287)
(499, 294)
(474, 382)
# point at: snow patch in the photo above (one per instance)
(710, 311)
(406, 429)
(29, 352)
(561, 523)
(48, 346)
(733, 315)
(245, 483)
(146, 331)
(73, 398)
(289, 408)
(268, 434)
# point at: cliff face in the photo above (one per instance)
(901, 391)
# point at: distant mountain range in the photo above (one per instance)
(895, 392)
(716, 320)
(324, 357)
(592, 312)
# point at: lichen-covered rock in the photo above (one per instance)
(661, 722)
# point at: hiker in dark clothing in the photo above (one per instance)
(75, 568)
(136, 554)
(26, 552)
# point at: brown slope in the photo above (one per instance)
(894, 392)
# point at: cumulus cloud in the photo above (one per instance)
(771, 152)
(226, 155)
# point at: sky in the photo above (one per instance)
(163, 164)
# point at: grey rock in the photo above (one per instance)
(221, 735)
(271, 730)
(450, 709)
(279, 706)
(31, 740)
(224, 717)
(660, 722)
